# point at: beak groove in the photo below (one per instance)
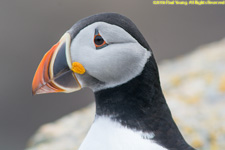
(54, 72)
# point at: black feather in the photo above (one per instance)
(139, 104)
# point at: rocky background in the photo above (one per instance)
(194, 86)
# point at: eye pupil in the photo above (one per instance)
(98, 40)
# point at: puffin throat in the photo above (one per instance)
(140, 97)
(140, 105)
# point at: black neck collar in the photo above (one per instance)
(139, 104)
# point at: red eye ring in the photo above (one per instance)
(99, 41)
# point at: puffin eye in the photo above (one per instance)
(99, 41)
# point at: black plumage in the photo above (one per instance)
(139, 104)
(114, 19)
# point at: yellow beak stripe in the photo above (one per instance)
(78, 68)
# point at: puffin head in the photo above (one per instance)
(101, 51)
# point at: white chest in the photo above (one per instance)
(106, 134)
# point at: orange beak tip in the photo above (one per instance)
(33, 93)
(53, 74)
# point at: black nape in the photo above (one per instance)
(139, 104)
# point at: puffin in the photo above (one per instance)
(108, 54)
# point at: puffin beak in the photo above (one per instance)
(55, 72)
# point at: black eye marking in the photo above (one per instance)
(99, 41)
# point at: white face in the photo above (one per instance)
(121, 60)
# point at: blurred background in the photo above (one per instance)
(29, 28)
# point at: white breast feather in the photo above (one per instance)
(106, 134)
